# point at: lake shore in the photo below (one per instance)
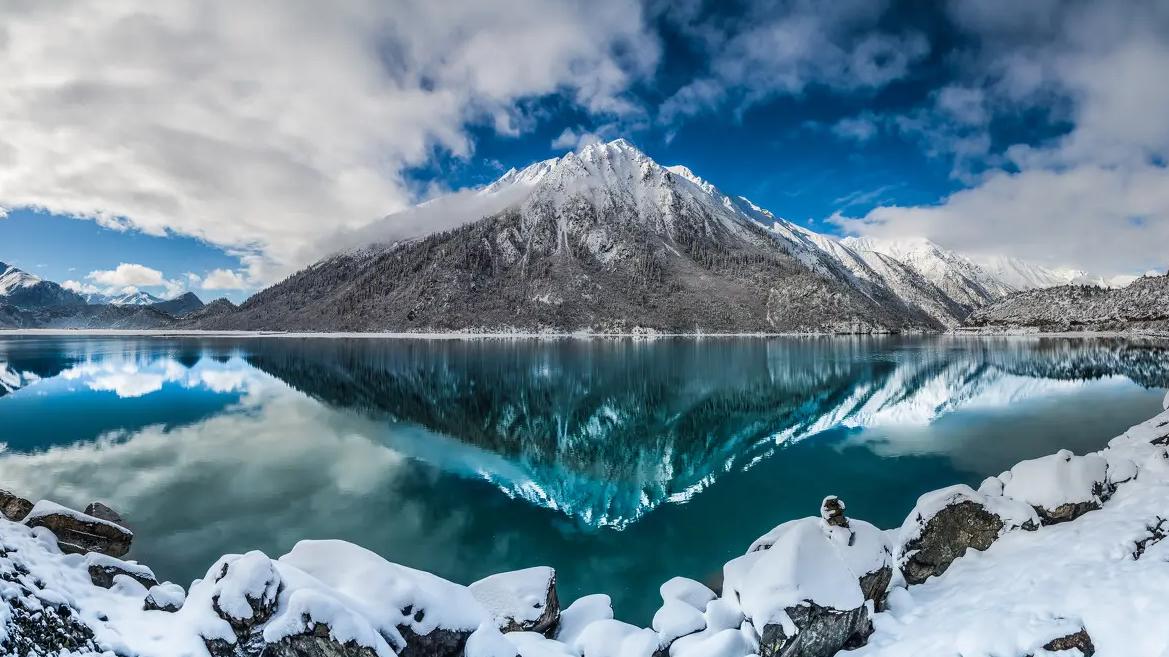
(580, 335)
(1062, 552)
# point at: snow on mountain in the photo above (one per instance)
(1024, 275)
(133, 298)
(28, 291)
(601, 239)
(958, 276)
(12, 279)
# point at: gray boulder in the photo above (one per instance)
(13, 507)
(100, 510)
(946, 523)
(822, 632)
(78, 532)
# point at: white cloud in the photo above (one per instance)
(127, 274)
(1095, 197)
(576, 139)
(224, 279)
(261, 126)
(858, 128)
(781, 48)
(80, 288)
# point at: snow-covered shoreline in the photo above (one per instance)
(1059, 555)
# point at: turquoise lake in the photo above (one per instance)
(619, 462)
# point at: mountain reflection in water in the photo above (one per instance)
(215, 445)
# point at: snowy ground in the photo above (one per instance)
(1106, 571)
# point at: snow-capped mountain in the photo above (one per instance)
(959, 277)
(30, 292)
(1023, 275)
(605, 239)
(130, 297)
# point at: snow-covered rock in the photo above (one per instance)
(166, 597)
(79, 532)
(580, 614)
(103, 569)
(945, 523)
(809, 586)
(676, 619)
(520, 600)
(1060, 486)
(614, 638)
(688, 591)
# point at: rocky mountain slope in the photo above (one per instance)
(605, 240)
(1143, 305)
(184, 304)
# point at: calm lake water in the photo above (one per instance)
(621, 463)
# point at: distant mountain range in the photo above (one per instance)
(132, 298)
(1141, 305)
(28, 301)
(606, 240)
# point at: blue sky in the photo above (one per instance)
(223, 163)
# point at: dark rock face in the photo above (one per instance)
(100, 510)
(13, 507)
(1065, 512)
(832, 510)
(946, 537)
(103, 575)
(315, 643)
(78, 535)
(875, 586)
(1078, 640)
(439, 643)
(823, 632)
